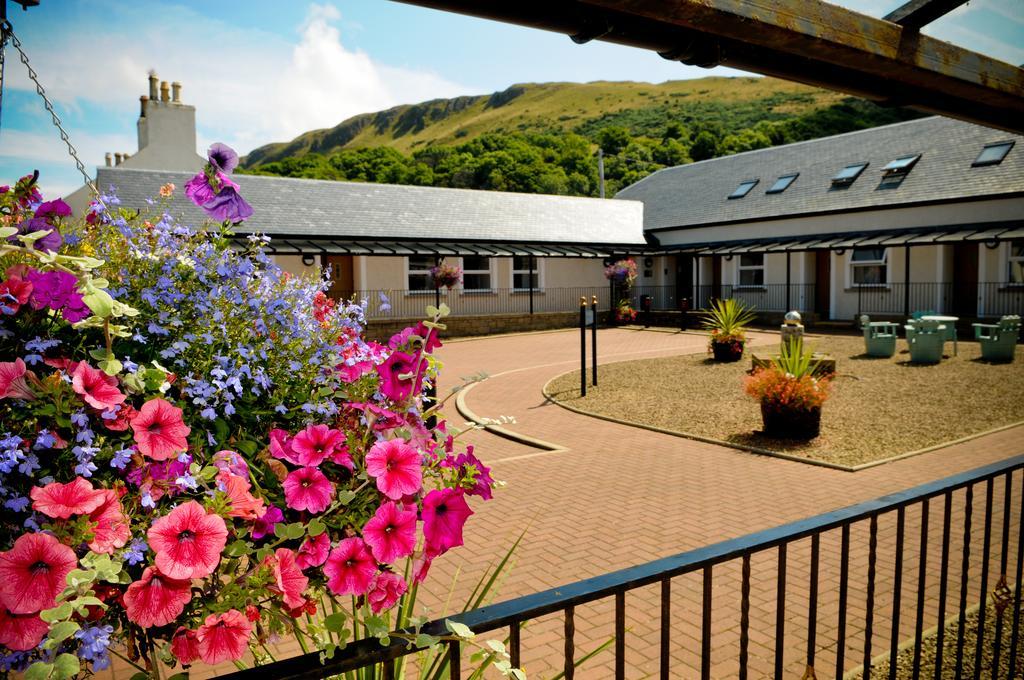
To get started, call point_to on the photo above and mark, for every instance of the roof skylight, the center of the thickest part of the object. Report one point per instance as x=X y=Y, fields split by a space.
x=901 y=165
x=848 y=175
x=744 y=188
x=782 y=183
x=993 y=154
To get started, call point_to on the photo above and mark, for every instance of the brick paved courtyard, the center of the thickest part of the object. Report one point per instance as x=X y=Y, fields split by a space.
x=614 y=496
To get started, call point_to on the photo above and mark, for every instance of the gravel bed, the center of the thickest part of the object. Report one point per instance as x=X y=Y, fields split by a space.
x=879 y=408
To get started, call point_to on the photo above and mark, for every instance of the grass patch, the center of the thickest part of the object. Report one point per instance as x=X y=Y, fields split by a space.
x=879 y=407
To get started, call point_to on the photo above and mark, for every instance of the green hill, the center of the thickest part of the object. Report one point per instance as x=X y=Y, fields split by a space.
x=543 y=137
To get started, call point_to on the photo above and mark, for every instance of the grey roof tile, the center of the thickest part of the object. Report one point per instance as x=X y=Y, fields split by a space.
x=354 y=210
x=696 y=194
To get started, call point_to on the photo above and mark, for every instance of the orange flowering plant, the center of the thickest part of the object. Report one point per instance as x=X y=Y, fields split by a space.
x=789 y=383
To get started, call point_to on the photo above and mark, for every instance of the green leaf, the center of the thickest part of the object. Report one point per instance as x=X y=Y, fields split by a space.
x=444 y=310
x=424 y=640
x=100 y=302
x=88 y=601
x=62 y=631
x=7 y=231
x=345 y=497
x=39 y=671
x=432 y=311
x=98 y=353
x=335 y=622
x=221 y=430
x=248 y=447
x=140 y=676
x=179 y=676
x=66 y=666
x=496 y=645
x=315 y=527
x=264 y=553
x=459 y=629
x=295 y=530
x=58 y=613
x=111 y=366
x=281 y=530
x=237 y=549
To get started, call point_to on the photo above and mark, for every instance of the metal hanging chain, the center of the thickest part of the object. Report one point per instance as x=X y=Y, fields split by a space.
x=3 y=53
x=8 y=31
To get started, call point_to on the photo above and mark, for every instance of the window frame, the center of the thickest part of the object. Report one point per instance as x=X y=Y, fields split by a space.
x=891 y=171
x=409 y=271
x=736 y=192
x=791 y=176
x=538 y=264
x=978 y=163
x=838 y=181
x=1010 y=259
x=852 y=265
x=740 y=268
x=489 y=271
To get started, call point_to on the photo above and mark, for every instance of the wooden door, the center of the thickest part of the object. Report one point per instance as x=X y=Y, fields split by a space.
x=684 y=279
x=339 y=268
x=965 y=280
x=822 y=283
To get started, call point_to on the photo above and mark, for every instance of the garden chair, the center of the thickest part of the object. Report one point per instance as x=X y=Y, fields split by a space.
x=879 y=337
x=922 y=313
x=998 y=341
x=926 y=340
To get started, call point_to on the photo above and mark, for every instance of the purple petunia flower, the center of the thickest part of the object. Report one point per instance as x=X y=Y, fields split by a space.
x=222 y=157
x=228 y=206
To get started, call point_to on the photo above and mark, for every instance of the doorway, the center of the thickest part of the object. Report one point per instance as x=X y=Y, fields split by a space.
x=684 y=279
x=965 y=280
x=822 y=283
x=340 y=270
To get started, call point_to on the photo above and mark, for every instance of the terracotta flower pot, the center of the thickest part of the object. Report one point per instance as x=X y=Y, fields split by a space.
x=791 y=423
x=727 y=351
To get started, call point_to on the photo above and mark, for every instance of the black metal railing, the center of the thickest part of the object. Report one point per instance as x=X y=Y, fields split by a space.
x=773 y=297
x=406 y=304
x=907 y=600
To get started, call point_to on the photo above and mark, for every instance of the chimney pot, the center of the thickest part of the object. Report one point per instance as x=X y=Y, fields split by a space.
x=165 y=91
x=142 y=106
x=109 y=159
x=118 y=158
x=176 y=92
x=152 y=86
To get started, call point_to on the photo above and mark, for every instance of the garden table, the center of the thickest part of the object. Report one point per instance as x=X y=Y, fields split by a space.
x=950 y=323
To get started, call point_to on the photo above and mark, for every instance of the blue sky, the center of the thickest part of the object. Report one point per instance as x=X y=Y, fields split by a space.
x=265 y=70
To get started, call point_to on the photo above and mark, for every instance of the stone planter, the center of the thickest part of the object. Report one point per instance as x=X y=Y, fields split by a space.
x=791 y=423
x=727 y=351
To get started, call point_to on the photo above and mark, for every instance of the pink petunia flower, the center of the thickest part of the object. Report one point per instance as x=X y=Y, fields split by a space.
x=21 y=632
x=308 y=489
x=391 y=533
x=223 y=637
x=315 y=443
x=289 y=581
x=185 y=645
x=421 y=563
x=445 y=512
x=98 y=389
x=350 y=568
x=13 y=384
x=112 y=530
x=33 y=573
x=281 y=446
x=396 y=465
x=156 y=599
x=14 y=292
x=243 y=503
x=231 y=461
x=60 y=501
x=188 y=541
x=482 y=477
x=385 y=591
x=313 y=551
x=396 y=381
x=122 y=420
x=159 y=430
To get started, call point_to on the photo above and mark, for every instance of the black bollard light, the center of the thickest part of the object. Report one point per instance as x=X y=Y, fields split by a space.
x=583 y=346
x=593 y=336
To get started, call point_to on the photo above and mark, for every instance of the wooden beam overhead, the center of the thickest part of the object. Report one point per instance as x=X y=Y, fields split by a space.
x=916 y=14
x=808 y=41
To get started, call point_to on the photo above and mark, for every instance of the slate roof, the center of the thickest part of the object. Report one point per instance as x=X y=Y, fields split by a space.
x=696 y=194
x=316 y=209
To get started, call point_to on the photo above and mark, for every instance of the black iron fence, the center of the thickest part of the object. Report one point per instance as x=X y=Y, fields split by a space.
x=407 y=304
x=870 y=578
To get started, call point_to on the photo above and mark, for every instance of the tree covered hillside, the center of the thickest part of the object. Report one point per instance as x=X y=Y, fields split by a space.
x=555 y=153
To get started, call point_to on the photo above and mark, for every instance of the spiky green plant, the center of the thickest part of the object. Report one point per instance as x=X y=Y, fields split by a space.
x=794 y=360
x=727 y=319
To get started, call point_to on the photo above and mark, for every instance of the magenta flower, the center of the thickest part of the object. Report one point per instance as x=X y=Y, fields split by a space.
x=51 y=209
x=198 y=190
x=483 y=480
x=445 y=512
x=313 y=551
x=308 y=489
x=58 y=291
x=281 y=447
x=188 y=541
x=159 y=430
x=391 y=533
x=264 y=526
x=396 y=466
x=315 y=443
x=350 y=568
x=98 y=389
x=396 y=381
x=385 y=591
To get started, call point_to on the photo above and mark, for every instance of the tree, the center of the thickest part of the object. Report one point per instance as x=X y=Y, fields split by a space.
x=613 y=139
x=704 y=146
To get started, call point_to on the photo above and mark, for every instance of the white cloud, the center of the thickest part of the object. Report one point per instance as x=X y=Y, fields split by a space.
x=249 y=87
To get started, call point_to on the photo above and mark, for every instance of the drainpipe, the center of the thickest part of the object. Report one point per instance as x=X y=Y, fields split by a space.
x=906 y=281
x=529 y=276
x=789 y=298
x=600 y=168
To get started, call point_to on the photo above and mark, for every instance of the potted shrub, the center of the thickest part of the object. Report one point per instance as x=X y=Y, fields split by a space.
x=790 y=395
x=727 y=320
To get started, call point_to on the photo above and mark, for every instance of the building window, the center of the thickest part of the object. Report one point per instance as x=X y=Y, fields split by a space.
x=869 y=266
x=476 y=274
x=744 y=188
x=782 y=183
x=751 y=270
x=1015 y=268
x=418 y=277
x=992 y=154
x=523 y=276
